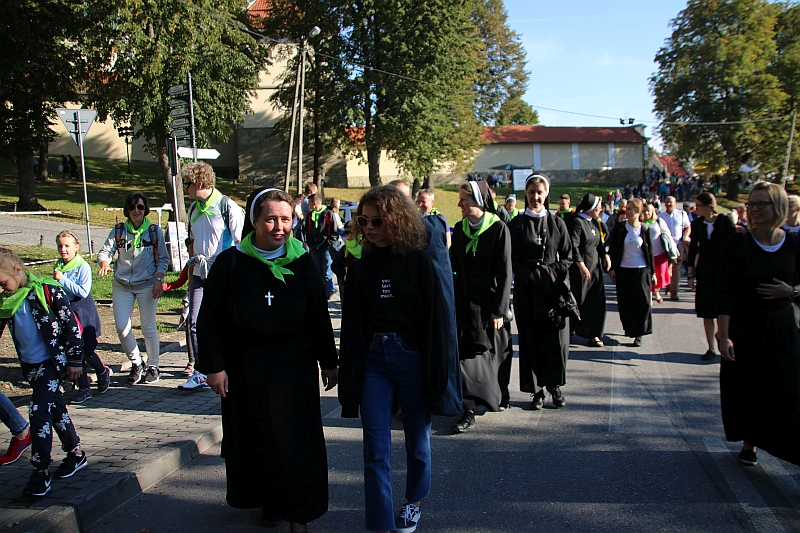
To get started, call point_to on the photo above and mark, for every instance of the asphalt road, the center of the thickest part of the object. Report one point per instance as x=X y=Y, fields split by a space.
x=639 y=447
x=30 y=231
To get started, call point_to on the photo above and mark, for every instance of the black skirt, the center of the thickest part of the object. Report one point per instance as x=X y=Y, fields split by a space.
x=634 y=301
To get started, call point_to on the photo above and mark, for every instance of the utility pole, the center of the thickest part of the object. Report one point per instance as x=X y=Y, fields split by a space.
x=789 y=151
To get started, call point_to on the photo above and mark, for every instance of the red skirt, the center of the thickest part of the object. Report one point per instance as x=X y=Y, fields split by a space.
x=662 y=272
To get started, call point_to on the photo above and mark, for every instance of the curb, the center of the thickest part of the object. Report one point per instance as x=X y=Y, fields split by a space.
x=74 y=515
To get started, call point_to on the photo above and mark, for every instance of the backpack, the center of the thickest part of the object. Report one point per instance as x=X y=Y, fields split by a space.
x=224 y=211
x=120 y=226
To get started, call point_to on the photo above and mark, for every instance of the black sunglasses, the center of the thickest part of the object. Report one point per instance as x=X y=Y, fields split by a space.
x=377 y=222
x=138 y=207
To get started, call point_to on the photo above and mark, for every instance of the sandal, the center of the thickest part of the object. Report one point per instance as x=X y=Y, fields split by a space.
x=189 y=370
x=659 y=299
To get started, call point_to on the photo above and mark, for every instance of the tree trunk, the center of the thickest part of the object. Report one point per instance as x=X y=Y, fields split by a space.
x=733 y=187
x=416 y=186
x=373 y=147
x=44 y=152
x=175 y=195
x=27 y=183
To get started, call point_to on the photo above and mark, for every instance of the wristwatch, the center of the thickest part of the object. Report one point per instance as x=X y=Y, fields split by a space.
x=794 y=293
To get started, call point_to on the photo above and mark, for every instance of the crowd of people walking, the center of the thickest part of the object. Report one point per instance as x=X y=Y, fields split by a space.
x=426 y=321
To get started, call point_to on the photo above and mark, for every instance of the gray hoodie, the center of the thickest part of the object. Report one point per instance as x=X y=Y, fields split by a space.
x=135 y=267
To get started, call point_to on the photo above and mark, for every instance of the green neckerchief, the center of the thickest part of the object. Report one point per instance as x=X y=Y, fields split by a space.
x=486 y=223
x=514 y=212
x=316 y=213
x=648 y=222
x=294 y=249
x=10 y=304
x=74 y=263
x=352 y=247
x=137 y=233
x=564 y=212
x=207 y=207
x=434 y=211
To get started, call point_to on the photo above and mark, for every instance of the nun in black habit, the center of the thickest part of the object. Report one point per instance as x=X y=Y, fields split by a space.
x=590 y=259
x=481 y=258
x=541 y=254
x=264 y=332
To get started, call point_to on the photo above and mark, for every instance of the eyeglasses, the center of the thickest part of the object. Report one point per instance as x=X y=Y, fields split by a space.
x=138 y=207
x=377 y=222
x=757 y=206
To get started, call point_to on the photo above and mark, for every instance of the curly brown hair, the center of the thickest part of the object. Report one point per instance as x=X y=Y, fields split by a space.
x=405 y=228
x=200 y=173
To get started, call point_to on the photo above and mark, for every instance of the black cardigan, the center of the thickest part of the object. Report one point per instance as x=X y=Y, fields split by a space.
x=617 y=246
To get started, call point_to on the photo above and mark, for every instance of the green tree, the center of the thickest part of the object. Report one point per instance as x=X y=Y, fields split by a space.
x=716 y=68
x=501 y=78
x=787 y=68
x=41 y=71
x=140 y=48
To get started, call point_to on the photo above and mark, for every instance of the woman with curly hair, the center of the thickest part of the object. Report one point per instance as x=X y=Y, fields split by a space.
x=393 y=344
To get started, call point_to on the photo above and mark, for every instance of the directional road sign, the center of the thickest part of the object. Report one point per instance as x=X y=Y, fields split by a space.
x=179 y=101
x=179 y=122
x=179 y=112
x=184 y=144
x=70 y=119
x=178 y=89
x=202 y=153
x=179 y=133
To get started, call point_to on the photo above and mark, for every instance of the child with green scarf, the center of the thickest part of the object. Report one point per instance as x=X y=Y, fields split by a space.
x=50 y=349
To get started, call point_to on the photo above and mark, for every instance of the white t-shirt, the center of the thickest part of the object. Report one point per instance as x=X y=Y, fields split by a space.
x=709 y=227
x=791 y=229
x=632 y=256
x=676 y=221
x=208 y=232
x=655 y=237
x=774 y=247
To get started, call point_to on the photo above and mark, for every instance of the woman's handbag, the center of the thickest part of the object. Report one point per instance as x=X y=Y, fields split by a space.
x=667 y=242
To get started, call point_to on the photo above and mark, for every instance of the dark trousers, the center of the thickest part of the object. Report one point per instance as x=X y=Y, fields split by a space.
x=48 y=413
x=196 y=285
x=90 y=358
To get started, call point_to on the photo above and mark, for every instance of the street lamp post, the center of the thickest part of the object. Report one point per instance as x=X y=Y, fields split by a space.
x=127 y=132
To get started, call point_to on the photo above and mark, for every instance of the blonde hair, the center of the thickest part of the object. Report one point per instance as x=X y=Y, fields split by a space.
x=9 y=260
x=637 y=204
x=780 y=202
x=793 y=217
x=69 y=233
x=646 y=210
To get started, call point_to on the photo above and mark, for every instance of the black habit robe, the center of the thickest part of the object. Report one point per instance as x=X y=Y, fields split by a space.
x=483 y=292
x=588 y=247
x=270 y=338
x=543 y=350
x=634 y=299
x=766 y=344
x=705 y=257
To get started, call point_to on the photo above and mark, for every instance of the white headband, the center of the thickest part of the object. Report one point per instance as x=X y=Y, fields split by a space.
x=253 y=204
x=476 y=192
x=594 y=204
x=544 y=178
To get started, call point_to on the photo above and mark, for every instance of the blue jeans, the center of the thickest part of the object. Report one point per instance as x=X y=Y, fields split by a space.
x=10 y=416
x=322 y=258
x=393 y=367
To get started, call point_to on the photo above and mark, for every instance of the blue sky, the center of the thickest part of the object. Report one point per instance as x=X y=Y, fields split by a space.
x=592 y=57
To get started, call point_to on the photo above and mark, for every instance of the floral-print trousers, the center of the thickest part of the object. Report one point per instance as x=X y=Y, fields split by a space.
x=48 y=412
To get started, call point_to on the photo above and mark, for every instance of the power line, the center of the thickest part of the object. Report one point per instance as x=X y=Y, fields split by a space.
x=284 y=42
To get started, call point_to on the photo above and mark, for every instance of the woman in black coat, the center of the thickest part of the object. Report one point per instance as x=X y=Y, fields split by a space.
x=710 y=230
x=632 y=270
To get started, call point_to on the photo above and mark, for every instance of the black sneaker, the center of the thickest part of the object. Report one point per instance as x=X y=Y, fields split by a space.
x=39 y=485
x=152 y=375
x=748 y=457
x=103 y=380
x=135 y=375
x=82 y=396
x=637 y=342
x=537 y=401
x=558 y=397
x=71 y=464
x=467 y=422
x=709 y=356
x=407 y=521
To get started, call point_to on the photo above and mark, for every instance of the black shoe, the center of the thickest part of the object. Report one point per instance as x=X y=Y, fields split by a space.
x=152 y=375
x=637 y=342
x=748 y=457
x=71 y=464
x=537 y=401
x=270 y=521
x=82 y=396
x=503 y=406
x=135 y=375
x=467 y=422
x=709 y=356
x=103 y=380
x=558 y=397
x=39 y=485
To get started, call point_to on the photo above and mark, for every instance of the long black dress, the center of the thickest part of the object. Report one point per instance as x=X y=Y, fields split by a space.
x=483 y=291
x=543 y=350
x=633 y=284
x=766 y=344
x=269 y=337
x=588 y=247
x=707 y=253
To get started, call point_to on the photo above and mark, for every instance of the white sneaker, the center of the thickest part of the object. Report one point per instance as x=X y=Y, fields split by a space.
x=195 y=381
